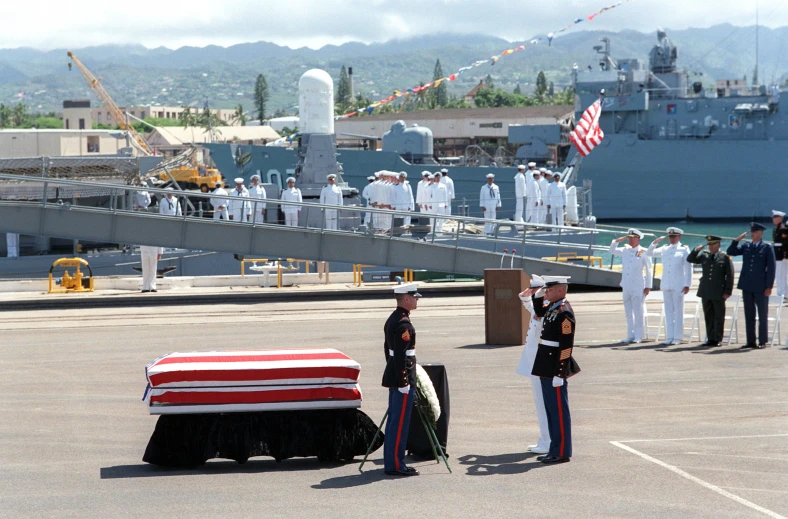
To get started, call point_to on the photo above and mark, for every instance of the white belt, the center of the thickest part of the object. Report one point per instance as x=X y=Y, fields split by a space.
x=412 y=353
x=549 y=343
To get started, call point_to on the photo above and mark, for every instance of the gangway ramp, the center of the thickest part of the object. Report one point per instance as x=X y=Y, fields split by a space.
x=112 y=225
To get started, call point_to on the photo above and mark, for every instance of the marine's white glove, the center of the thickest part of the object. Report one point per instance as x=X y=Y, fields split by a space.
x=404 y=390
x=540 y=292
x=558 y=382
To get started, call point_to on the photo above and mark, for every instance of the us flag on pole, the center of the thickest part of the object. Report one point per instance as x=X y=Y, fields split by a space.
x=587 y=134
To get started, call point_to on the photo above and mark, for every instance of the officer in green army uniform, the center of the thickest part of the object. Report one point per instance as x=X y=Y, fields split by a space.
x=716 y=286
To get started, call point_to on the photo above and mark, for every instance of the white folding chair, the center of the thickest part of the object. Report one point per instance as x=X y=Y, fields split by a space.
x=694 y=317
x=733 y=318
x=654 y=296
x=778 y=302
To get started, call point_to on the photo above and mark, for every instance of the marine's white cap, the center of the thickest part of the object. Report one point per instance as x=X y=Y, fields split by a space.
x=634 y=232
x=403 y=174
x=444 y=170
x=371 y=177
x=332 y=176
x=408 y=288
x=490 y=175
x=239 y=180
x=674 y=231
x=254 y=177
x=556 y=280
x=532 y=164
x=777 y=213
x=536 y=281
x=521 y=167
x=290 y=179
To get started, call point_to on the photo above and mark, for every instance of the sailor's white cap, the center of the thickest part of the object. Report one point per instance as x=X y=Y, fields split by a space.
x=777 y=213
x=521 y=166
x=535 y=172
x=219 y=182
x=674 y=231
x=290 y=179
x=555 y=173
x=377 y=174
x=556 y=280
x=239 y=180
x=429 y=175
x=490 y=175
x=169 y=189
x=254 y=177
x=532 y=164
x=543 y=170
x=444 y=170
x=537 y=281
x=408 y=288
x=403 y=174
x=331 y=176
x=634 y=232
x=437 y=174
x=425 y=173
x=371 y=177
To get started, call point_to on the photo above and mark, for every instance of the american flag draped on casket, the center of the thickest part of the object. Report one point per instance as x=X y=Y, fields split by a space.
x=263 y=380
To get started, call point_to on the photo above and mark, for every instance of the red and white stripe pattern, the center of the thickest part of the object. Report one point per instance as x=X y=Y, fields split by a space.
x=587 y=134
x=264 y=380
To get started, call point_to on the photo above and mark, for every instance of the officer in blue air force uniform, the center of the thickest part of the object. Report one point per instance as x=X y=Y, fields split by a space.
x=755 y=281
x=554 y=364
x=400 y=378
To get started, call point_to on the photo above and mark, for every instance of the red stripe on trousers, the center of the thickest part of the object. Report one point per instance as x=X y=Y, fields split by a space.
x=399 y=431
x=560 y=420
x=252 y=375
x=254 y=397
x=253 y=358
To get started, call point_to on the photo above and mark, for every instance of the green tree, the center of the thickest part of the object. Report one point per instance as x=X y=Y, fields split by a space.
x=342 y=94
x=517 y=89
x=187 y=117
x=551 y=89
x=541 y=86
x=489 y=81
x=439 y=94
x=240 y=116
x=208 y=119
x=261 y=96
x=5 y=116
x=19 y=115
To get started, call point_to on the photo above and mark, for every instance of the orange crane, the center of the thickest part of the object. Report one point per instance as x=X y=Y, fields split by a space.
x=95 y=84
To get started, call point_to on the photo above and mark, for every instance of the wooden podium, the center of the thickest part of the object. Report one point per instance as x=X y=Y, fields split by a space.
x=505 y=318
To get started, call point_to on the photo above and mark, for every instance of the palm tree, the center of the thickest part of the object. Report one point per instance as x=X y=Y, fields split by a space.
x=240 y=116
x=19 y=114
x=187 y=117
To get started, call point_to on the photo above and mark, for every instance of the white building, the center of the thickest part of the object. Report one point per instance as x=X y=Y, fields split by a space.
x=18 y=143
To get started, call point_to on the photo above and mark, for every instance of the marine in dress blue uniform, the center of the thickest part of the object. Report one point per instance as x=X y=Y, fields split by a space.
x=755 y=281
x=554 y=365
x=400 y=378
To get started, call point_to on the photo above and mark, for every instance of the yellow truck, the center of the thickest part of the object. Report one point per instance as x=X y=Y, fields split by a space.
x=189 y=177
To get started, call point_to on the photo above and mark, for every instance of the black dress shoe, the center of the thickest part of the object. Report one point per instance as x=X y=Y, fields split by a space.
x=540 y=458
x=708 y=343
x=407 y=472
x=749 y=345
x=555 y=460
x=154 y=290
x=761 y=345
x=145 y=291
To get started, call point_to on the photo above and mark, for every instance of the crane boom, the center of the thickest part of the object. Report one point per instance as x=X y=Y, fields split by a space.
x=95 y=84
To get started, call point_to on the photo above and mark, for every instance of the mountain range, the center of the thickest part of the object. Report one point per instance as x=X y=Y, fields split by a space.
x=224 y=76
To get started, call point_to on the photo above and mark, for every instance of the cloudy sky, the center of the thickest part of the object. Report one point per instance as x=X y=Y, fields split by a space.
x=57 y=24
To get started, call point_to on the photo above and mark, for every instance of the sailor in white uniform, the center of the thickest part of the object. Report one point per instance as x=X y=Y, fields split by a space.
x=402 y=198
x=489 y=201
x=149 y=258
x=440 y=200
x=636 y=279
x=526 y=365
x=219 y=202
x=141 y=200
x=169 y=205
x=257 y=192
x=519 y=193
x=331 y=195
x=449 y=183
x=556 y=199
x=367 y=195
x=421 y=190
x=291 y=211
x=239 y=206
x=533 y=197
x=676 y=282
x=543 y=185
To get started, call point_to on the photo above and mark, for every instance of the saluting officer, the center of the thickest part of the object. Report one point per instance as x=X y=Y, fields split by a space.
x=636 y=280
x=554 y=364
x=755 y=281
x=716 y=286
x=780 y=239
x=400 y=378
x=676 y=282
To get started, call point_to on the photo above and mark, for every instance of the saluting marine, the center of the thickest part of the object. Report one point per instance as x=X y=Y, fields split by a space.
x=554 y=364
x=400 y=377
x=716 y=286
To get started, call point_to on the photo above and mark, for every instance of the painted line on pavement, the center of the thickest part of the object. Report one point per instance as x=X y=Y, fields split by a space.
x=781 y=435
x=705 y=484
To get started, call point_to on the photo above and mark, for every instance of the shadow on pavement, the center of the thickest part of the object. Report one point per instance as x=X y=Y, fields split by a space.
x=488 y=346
x=501 y=464
x=356 y=480
x=145 y=470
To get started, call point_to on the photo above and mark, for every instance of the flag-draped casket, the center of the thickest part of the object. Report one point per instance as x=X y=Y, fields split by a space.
x=263 y=380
